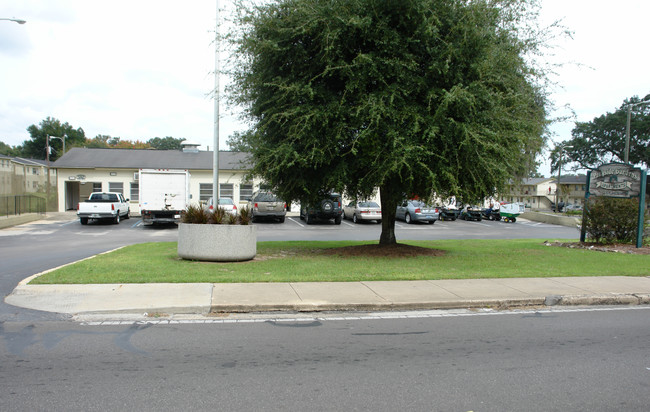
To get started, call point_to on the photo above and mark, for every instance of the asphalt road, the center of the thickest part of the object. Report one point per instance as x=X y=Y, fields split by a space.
x=578 y=360
x=33 y=248
x=527 y=361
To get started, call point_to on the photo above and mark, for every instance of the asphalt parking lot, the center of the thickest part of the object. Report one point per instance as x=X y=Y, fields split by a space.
x=133 y=230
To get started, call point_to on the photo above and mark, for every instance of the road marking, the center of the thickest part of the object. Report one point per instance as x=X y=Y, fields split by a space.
x=69 y=223
x=92 y=233
x=349 y=224
x=115 y=320
x=138 y=223
x=296 y=222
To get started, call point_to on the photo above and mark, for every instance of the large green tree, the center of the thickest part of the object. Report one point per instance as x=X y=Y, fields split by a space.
x=36 y=147
x=602 y=140
x=413 y=97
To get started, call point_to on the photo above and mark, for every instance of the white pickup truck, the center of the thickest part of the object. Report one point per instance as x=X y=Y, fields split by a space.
x=105 y=205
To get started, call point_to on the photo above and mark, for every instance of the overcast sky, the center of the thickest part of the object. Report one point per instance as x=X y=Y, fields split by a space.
x=143 y=69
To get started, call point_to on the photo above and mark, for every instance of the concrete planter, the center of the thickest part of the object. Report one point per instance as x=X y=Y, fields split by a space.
x=217 y=243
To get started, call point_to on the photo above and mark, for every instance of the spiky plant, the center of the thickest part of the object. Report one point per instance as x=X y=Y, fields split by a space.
x=217 y=216
x=195 y=214
x=244 y=216
x=232 y=219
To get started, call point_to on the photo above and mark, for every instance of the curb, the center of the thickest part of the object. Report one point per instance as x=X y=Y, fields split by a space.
x=605 y=299
x=500 y=304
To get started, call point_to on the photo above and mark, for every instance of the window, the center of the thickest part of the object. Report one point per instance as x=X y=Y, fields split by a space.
x=226 y=190
x=205 y=191
x=117 y=187
x=34 y=171
x=245 y=192
x=135 y=188
x=97 y=187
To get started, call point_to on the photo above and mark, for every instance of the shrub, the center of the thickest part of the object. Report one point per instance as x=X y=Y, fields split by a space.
x=245 y=216
x=195 y=214
x=611 y=220
x=217 y=216
x=232 y=219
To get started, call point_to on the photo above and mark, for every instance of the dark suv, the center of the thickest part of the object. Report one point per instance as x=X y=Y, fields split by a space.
x=327 y=208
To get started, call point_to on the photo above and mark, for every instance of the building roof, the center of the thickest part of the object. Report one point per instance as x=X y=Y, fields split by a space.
x=91 y=158
x=24 y=161
x=572 y=180
x=531 y=181
x=534 y=181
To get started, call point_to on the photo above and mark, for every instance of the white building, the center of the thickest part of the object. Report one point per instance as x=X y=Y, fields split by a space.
x=82 y=171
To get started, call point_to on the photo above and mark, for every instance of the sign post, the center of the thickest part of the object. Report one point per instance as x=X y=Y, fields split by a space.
x=617 y=180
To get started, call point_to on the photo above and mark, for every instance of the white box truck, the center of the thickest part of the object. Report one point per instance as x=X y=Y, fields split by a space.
x=164 y=195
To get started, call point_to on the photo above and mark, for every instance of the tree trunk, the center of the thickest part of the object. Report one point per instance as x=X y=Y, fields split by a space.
x=389 y=200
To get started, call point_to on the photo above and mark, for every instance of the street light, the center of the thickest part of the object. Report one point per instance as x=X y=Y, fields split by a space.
x=627 y=129
x=61 y=139
x=559 y=172
x=19 y=21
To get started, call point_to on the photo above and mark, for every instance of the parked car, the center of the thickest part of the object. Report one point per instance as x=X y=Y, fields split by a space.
x=266 y=205
x=225 y=203
x=561 y=208
x=104 y=206
x=573 y=208
x=362 y=211
x=328 y=208
x=412 y=211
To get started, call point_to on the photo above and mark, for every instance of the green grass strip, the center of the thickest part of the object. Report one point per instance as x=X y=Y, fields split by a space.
x=301 y=261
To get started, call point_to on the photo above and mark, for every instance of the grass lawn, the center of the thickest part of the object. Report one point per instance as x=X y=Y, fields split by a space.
x=302 y=261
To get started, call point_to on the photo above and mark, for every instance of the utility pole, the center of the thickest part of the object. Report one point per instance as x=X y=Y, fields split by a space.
x=215 y=162
x=47 y=156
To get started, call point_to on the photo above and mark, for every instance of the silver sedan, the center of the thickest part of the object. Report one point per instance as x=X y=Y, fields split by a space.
x=358 y=211
x=415 y=211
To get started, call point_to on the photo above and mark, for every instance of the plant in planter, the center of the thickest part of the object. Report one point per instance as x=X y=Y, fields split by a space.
x=245 y=216
x=210 y=235
x=217 y=217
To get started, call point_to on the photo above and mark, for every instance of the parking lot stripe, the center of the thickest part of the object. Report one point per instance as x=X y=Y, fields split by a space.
x=296 y=222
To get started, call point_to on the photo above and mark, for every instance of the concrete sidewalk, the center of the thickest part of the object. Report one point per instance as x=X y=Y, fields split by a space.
x=205 y=298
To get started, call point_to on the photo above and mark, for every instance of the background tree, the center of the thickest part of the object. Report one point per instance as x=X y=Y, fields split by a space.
x=99 y=141
x=166 y=143
x=602 y=140
x=108 y=142
x=36 y=147
x=413 y=97
x=13 y=151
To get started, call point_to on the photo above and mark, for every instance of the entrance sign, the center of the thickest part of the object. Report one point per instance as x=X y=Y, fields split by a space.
x=618 y=180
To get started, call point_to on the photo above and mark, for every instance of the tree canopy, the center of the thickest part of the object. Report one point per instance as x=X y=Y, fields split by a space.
x=7 y=150
x=414 y=97
x=36 y=148
x=602 y=140
x=166 y=143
